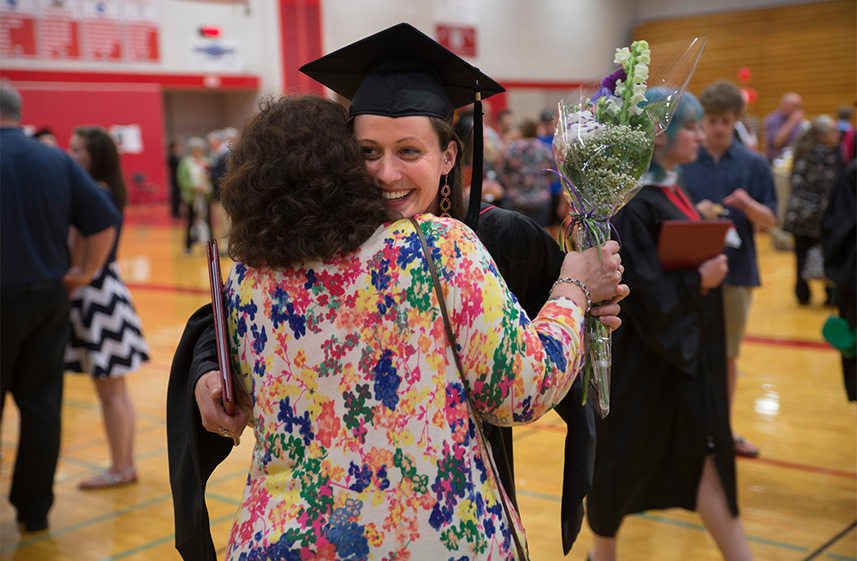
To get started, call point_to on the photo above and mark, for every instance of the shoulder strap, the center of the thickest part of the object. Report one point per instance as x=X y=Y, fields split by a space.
x=522 y=555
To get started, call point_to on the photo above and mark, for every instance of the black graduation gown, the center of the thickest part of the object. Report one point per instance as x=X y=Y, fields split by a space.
x=838 y=234
x=527 y=258
x=669 y=403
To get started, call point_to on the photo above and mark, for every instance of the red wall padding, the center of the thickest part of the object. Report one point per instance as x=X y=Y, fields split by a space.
x=62 y=107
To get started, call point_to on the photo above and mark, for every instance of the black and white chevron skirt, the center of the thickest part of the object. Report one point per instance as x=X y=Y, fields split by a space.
x=105 y=338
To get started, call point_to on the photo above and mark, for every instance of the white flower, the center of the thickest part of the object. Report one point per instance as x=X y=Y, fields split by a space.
x=622 y=56
x=641 y=73
x=581 y=125
x=612 y=106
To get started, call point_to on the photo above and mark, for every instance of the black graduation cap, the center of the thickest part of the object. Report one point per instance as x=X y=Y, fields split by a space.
x=401 y=72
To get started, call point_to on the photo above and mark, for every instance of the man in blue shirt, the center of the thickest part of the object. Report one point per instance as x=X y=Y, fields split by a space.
x=729 y=181
x=44 y=192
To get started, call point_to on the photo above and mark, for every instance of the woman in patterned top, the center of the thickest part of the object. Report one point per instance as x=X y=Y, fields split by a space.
x=366 y=440
x=402 y=116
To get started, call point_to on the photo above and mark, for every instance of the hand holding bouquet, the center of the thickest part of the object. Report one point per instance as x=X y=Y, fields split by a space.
x=602 y=145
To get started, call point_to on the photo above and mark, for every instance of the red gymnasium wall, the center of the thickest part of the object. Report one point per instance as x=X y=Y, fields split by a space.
x=64 y=106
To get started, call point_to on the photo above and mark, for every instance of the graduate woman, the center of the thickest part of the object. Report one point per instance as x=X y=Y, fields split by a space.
x=667 y=441
x=404 y=88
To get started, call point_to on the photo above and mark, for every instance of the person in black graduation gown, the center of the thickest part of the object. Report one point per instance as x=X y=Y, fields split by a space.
x=838 y=231
x=667 y=441
x=424 y=81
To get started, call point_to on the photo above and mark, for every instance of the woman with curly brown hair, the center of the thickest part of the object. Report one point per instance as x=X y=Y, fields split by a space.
x=364 y=420
x=403 y=88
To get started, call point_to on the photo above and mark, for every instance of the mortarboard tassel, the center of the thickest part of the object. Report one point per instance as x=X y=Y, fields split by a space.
x=472 y=216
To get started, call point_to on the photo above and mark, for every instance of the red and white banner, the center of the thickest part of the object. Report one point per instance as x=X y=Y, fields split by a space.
x=18 y=28
x=59 y=29
x=102 y=33
x=142 y=23
x=455 y=25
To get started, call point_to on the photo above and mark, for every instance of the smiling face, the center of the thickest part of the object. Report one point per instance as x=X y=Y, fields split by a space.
x=404 y=157
x=78 y=152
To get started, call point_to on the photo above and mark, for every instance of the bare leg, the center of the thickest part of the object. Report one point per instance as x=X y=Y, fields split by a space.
x=711 y=503
x=603 y=549
x=119 y=421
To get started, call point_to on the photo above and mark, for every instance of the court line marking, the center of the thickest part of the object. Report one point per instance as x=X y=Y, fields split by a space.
x=121 y=512
x=832 y=541
x=533 y=429
x=678 y=523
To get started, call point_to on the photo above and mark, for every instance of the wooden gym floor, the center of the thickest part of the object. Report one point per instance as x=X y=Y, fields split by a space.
x=798 y=497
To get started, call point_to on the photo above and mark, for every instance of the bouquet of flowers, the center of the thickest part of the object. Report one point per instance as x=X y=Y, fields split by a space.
x=603 y=145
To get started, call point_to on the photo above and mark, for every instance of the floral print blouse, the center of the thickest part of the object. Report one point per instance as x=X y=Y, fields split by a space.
x=366 y=440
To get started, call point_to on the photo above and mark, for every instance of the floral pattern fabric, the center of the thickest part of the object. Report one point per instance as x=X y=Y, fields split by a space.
x=366 y=444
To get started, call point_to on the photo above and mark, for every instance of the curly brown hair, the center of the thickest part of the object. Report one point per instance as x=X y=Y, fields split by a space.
x=296 y=187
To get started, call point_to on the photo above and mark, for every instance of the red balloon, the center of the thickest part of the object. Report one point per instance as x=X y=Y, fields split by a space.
x=744 y=74
x=751 y=95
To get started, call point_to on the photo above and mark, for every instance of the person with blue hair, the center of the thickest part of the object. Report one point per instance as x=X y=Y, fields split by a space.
x=667 y=441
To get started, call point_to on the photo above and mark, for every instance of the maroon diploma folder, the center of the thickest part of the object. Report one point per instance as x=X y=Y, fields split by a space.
x=686 y=244
x=215 y=280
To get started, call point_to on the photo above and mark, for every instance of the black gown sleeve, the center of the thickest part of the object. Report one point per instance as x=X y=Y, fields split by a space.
x=664 y=307
x=193 y=452
x=839 y=229
x=529 y=260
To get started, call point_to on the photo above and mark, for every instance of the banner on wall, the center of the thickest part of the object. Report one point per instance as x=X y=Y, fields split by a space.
x=455 y=26
x=103 y=30
x=141 y=19
x=58 y=29
x=102 y=33
x=18 y=28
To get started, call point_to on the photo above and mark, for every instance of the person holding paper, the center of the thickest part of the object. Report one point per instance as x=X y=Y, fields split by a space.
x=366 y=427
x=667 y=441
x=403 y=118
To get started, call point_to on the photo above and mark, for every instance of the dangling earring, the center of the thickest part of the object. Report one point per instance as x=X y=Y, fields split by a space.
x=445 y=202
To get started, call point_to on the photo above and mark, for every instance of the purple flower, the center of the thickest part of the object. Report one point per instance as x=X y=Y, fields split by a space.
x=608 y=85
x=610 y=81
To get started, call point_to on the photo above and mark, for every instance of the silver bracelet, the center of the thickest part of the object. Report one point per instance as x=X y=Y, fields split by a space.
x=580 y=285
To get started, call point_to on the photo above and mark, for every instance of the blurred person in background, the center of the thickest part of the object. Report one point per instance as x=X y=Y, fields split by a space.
x=727 y=180
x=174 y=156
x=667 y=441
x=528 y=189
x=106 y=338
x=219 y=162
x=844 y=114
x=783 y=125
x=46 y=136
x=44 y=193
x=506 y=125
x=196 y=189
x=558 y=211
x=838 y=232
x=816 y=168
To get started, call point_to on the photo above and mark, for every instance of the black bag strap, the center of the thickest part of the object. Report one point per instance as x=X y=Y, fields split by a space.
x=522 y=554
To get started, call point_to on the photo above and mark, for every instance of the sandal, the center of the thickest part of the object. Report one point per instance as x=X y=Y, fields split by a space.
x=108 y=479
x=745 y=448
